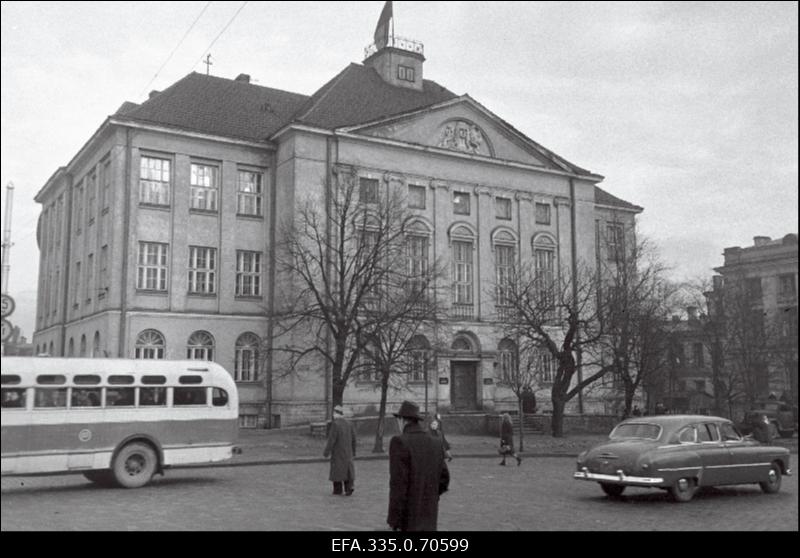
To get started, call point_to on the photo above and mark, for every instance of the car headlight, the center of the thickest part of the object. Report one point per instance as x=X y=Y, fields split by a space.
x=582 y=456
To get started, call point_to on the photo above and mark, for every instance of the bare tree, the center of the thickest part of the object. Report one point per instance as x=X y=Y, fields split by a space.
x=557 y=313
x=333 y=256
x=635 y=299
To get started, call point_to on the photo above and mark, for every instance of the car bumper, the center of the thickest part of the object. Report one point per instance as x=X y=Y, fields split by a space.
x=618 y=478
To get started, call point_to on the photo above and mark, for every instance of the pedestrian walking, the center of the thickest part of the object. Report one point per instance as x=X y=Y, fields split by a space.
x=418 y=474
x=436 y=429
x=507 y=439
x=341 y=448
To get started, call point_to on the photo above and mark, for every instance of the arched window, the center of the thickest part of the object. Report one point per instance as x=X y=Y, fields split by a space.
x=419 y=352
x=462 y=242
x=150 y=345
x=201 y=346
x=246 y=366
x=507 y=361
x=51 y=349
x=83 y=346
x=504 y=260
x=544 y=265
x=71 y=347
x=96 y=352
x=462 y=343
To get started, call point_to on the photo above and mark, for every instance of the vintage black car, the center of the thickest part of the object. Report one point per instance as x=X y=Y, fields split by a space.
x=681 y=453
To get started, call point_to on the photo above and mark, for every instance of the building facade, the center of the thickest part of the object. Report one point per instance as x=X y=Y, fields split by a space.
x=753 y=303
x=158 y=239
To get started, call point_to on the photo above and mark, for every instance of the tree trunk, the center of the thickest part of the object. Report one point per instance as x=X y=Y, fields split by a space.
x=337 y=389
x=557 y=425
x=630 y=391
x=378 y=446
x=521 y=424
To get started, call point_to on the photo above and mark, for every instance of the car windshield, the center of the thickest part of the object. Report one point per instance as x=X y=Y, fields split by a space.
x=637 y=430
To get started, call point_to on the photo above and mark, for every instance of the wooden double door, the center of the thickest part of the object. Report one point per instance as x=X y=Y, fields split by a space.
x=464 y=386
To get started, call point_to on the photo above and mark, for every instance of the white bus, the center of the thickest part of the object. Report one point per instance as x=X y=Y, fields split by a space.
x=117 y=421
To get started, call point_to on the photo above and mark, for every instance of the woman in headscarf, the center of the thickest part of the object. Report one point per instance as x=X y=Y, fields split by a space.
x=507 y=439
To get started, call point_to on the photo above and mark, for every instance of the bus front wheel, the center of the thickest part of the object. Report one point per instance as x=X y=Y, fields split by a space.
x=134 y=465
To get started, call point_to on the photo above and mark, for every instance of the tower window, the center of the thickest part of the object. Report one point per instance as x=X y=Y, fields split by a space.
x=405 y=73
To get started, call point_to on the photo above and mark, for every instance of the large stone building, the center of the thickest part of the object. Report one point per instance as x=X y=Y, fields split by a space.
x=158 y=238
x=754 y=303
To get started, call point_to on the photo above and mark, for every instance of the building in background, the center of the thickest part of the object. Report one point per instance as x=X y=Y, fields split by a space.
x=158 y=238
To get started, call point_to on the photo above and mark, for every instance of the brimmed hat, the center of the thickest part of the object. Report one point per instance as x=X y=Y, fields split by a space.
x=338 y=410
x=408 y=410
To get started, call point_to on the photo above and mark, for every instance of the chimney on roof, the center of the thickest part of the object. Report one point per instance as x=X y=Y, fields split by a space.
x=718 y=283
x=153 y=93
x=244 y=78
x=761 y=240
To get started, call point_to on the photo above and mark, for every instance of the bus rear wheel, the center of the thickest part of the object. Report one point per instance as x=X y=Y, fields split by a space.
x=134 y=465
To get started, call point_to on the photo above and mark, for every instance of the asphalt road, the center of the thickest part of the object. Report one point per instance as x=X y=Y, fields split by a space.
x=541 y=495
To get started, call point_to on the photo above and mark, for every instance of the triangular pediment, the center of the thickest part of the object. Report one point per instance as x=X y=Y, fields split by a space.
x=462 y=125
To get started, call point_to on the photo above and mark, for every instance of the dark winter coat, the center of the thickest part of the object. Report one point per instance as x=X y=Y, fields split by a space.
x=418 y=475
x=341 y=448
x=507 y=434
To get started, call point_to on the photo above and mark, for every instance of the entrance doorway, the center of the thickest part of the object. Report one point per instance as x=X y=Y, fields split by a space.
x=464 y=386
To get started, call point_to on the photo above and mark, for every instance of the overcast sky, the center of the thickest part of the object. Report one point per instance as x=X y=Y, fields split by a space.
x=688 y=109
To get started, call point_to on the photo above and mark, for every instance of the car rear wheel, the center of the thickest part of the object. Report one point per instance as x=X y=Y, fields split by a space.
x=773 y=482
x=612 y=490
x=683 y=490
x=134 y=465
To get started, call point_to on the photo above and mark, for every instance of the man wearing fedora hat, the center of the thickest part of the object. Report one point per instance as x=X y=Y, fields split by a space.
x=418 y=474
x=341 y=448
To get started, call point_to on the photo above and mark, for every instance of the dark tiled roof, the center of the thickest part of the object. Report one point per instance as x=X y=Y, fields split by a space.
x=359 y=95
x=219 y=106
x=126 y=107
x=601 y=197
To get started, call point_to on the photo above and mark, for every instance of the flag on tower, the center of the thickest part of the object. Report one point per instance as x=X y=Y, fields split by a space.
x=382 y=29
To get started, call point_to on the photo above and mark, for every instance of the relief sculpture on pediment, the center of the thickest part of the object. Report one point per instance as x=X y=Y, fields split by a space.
x=462 y=135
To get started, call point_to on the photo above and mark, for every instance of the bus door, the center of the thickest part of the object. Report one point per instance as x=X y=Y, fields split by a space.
x=15 y=424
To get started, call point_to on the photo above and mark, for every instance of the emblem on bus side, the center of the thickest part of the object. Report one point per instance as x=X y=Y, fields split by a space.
x=85 y=435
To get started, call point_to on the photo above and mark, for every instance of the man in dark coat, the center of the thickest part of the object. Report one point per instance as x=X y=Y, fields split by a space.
x=418 y=474
x=341 y=448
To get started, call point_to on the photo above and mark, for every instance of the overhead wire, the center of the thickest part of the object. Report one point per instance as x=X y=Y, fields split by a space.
x=220 y=34
x=176 y=47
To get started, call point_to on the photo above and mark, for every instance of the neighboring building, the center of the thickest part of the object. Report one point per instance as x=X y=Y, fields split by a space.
x=158 y=238
x=754 y=301
x=17 y=344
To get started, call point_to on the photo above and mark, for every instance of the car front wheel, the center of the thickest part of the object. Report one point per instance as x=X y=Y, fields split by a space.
x=683 y=490
x=773 y=482
x=612 y=490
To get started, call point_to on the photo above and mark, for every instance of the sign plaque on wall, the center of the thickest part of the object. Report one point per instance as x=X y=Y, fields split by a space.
x=444 y=381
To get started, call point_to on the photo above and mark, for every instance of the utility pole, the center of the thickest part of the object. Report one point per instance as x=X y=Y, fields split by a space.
x=7 y=236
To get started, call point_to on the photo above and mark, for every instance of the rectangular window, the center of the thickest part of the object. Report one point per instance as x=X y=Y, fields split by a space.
x=544 y=270
x=249 y=200
x=504 y=265
x=204 y=186
x=202 y=266
x=103 y=286
x=699 y=361
x=753 y=289
x=542 y=213
x=91 y=193
x=461 y=203
x=502 y=208
x=417 y=257
x=419 y=364
x=405 y=73
x=105 y=183
x=786 y=287
x=248 y=273
x=78 y=208
x=416 y=197
x=615 y=241
x=154 y=180
x=152 y=267
x=368 y=190
x=462 y=272
x=546 y=365
x=89 y=278
x=76 y=284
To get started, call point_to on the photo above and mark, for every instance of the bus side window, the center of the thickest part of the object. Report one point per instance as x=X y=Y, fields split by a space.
x=188 y=396
x=153 y=396
x=50 y=398
x=85 y=397
x=13 y=398
x=219 y=397
x=120 y=397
